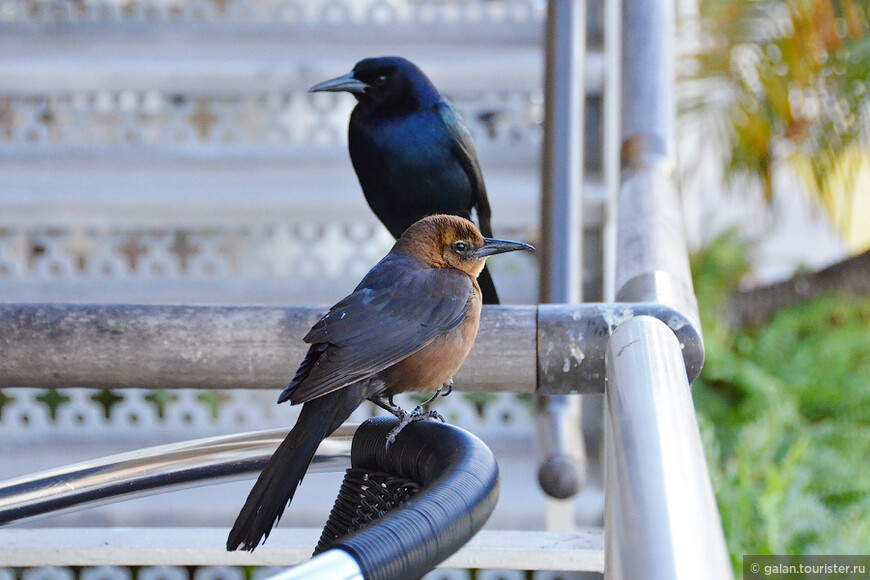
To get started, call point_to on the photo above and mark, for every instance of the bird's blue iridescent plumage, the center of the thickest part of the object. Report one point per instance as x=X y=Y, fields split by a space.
x=411 y=150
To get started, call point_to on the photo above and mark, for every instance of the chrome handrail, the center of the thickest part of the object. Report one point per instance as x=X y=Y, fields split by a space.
x=155 y=470
x=661 y=519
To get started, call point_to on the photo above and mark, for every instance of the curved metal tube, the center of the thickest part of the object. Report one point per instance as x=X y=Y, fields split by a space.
x=661 y=518
x=332 y=564
x=155 y=470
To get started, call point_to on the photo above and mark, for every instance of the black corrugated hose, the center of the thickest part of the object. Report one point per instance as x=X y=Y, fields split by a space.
x=447 y=479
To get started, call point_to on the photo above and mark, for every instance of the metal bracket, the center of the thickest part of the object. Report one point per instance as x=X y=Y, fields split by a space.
x=572 y=339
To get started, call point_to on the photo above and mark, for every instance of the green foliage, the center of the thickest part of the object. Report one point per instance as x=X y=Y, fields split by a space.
x=160 y=398
x=213 y=400
x=53 y=399
x=107 y=399
x=784 y=411
x=4 y=400
x=785 y=81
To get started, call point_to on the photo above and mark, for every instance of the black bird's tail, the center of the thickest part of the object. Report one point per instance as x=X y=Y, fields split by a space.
x=281 y=476
x=487 y=287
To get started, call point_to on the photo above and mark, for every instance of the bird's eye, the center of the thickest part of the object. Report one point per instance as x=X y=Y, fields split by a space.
x=380 y=80
x=459 y=247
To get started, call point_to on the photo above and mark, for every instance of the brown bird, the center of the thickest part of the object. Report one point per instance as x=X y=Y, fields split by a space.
x=406 y=327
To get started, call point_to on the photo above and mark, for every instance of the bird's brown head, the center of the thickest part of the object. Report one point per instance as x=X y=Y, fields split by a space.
x=449 y=241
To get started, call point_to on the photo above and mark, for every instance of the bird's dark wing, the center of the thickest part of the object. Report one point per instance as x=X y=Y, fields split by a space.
x=465 y=153
x=398 y=308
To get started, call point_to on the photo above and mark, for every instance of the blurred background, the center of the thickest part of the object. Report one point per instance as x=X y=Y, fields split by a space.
x=167 y=151
x=775 y=137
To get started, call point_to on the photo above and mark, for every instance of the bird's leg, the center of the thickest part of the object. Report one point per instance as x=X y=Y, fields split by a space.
x=405 y=420
x=386 y=403
x=430 y=399
x=442 y=391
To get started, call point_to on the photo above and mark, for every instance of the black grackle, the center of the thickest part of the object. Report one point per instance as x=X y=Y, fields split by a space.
x=412 y=152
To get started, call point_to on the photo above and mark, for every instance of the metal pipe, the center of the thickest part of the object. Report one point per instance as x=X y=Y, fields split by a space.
x=330 y=565
x=611 y=142
x=562 y=171
x=561 y=472
x=661 y=519
x=572 y=339
x=155 y=470
x=648 y=107
x=552 y=348
x=653 y=263
x=213 y=347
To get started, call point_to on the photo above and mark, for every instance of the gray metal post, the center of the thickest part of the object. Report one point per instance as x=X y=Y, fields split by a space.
x=661 y=519
x=562 y=470
x=561 y=207
x=652 y=258
x=611 y=141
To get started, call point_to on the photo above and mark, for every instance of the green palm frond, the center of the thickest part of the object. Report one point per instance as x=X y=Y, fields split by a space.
x=785 y=81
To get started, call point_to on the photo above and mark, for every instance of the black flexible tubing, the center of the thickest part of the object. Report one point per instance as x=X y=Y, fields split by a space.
x=460 y=485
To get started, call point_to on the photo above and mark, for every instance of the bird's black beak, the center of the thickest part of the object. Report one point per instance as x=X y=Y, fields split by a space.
x=345 y=83
x=492 y=247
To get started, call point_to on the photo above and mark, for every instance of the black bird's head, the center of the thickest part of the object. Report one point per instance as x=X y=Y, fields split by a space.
x=449 y=241
x=386 y=81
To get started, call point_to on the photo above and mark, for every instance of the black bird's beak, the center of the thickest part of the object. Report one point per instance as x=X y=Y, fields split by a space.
x=492 y=247
x=344 y=83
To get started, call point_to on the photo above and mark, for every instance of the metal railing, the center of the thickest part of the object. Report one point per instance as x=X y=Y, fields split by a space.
x=156 y=470
x=562 y=471
x=453 y=476
x=661 y=519
x=550 y=349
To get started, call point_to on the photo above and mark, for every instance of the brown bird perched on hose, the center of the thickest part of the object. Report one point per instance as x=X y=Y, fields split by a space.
x=406 y=327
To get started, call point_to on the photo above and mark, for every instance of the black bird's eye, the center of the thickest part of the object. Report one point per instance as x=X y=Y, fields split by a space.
x=380 y=80
x=459 y=247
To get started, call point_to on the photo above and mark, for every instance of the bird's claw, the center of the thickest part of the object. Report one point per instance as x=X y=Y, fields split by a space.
x=421 y=414
x=442 y=391
x=405 y=418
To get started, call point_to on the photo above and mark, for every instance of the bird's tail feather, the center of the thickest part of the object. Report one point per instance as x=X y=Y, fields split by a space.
x=281 y=476
x=487 y=287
